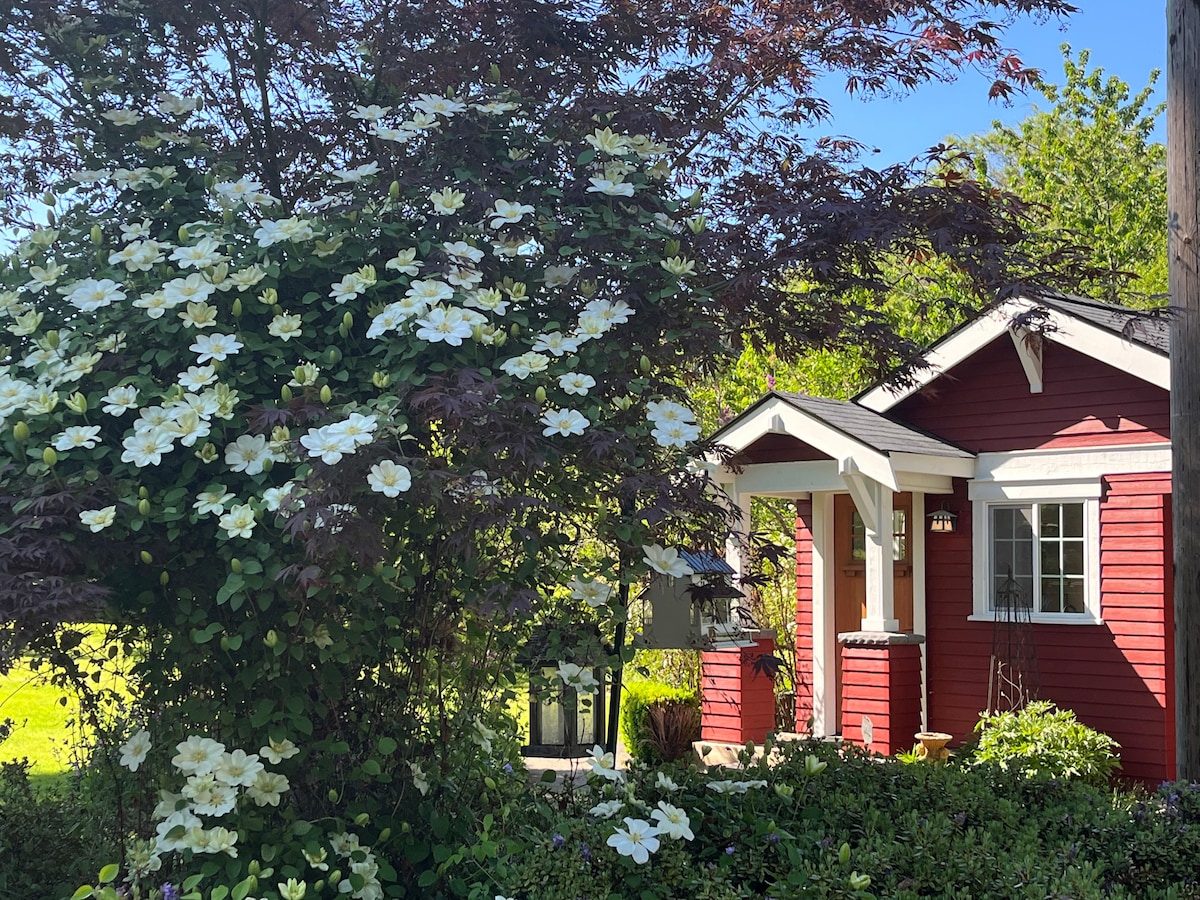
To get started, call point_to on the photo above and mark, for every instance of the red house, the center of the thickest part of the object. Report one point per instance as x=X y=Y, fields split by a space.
x=1044 y=438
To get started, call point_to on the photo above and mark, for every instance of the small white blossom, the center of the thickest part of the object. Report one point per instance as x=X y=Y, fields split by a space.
x=98 y=519
x=389 y=478
x=665 y=560
x=563 y=422
x=638 y=839
x=239 y=521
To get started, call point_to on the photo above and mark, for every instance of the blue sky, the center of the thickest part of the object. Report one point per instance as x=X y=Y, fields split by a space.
x=1127 y=38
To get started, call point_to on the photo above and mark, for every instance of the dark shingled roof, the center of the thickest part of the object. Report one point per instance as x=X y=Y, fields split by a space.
x=870 y=428
x=1150 y=330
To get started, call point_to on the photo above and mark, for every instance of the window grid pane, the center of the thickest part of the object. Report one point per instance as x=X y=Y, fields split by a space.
x=1042 y=545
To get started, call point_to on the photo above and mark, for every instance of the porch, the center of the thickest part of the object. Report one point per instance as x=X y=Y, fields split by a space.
x=862 y=486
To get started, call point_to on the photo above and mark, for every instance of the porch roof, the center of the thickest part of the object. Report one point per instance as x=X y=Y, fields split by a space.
x=848 y=438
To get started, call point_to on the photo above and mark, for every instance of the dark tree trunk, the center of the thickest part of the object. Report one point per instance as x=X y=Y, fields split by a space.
x=1183 y=200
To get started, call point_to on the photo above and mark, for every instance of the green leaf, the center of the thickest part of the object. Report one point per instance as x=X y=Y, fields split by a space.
x=387 y=745
x=84 y=890
x=109 y=872
x=372 y=767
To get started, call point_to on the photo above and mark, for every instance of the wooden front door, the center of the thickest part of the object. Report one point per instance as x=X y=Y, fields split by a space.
x=849 y=570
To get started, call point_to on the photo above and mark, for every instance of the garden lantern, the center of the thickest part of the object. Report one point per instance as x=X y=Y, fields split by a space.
x=694 y=612
x=566 y=692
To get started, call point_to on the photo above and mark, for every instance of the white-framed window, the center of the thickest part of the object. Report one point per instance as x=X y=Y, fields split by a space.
x=1037 y=551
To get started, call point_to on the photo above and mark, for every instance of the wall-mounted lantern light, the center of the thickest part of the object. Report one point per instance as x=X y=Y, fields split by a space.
x=942 y=521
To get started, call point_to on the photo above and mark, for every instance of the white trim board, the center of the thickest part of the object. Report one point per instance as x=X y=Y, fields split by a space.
x=1073 y=464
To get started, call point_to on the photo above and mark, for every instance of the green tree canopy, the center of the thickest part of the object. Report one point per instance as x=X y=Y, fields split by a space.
x=1089 y=166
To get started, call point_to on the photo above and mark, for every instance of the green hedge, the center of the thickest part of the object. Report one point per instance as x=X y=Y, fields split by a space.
x=637 y=700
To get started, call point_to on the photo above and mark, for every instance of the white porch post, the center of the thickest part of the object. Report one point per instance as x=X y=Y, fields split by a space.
x=874 y=504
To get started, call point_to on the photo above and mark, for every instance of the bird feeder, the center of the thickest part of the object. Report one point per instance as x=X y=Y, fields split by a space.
x=567 y=678
x=693 y=612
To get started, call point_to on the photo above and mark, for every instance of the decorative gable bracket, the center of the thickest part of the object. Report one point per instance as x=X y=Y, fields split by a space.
x=1029 y=351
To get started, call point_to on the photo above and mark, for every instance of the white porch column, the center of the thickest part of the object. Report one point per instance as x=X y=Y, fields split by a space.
x=874 y=504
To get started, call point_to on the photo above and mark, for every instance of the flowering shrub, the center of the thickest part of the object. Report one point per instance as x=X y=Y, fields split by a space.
x=313 y=454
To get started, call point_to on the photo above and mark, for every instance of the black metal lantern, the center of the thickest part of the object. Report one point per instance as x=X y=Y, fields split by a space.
x=566 y=695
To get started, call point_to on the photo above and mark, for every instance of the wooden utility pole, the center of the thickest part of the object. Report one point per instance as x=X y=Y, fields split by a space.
x=1183 y=203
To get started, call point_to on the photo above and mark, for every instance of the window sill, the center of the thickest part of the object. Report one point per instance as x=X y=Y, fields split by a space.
x=1045 y=618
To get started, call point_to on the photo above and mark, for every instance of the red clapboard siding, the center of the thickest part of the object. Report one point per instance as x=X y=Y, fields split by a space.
x=804 y=615
x=1115 y=676
x=984 y=403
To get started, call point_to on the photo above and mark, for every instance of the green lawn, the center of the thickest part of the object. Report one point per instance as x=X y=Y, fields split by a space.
x=40 y=731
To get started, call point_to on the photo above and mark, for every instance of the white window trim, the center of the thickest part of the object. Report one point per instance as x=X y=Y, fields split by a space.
x=985 y=495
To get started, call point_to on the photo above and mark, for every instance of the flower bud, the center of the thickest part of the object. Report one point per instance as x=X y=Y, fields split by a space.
x=207 y=453
x=48 y=199
x=286 y=393
x=514 y=329
x=143 y=507
x=326 y=394
x=269 y=297
x=859 y=882
x=384 y=835
x=332 y=795
x=21 y=432
x=333 y=356
x=540 y=395
x=77 y=403
x=49 y=457
x=587 y=289
x=237 y=307
x=143 y=493
x=348 y=320
x=253 y=868
x=268 y=464
x=51 y=338
x=183 y=234
x=362 y=819
x=844 y=854
x=280 y=434
x=97 y=235
x=146 y=557
x=381 y=379
x=164 y=577
x=394 y=190
x=271 y=640
x=644 y=364
x=697 y=224
x=236 y=565
x=672 y=248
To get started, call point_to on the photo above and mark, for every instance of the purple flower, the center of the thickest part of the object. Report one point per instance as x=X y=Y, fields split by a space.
x=770 y=382
x=558 y=841
x=772 y=838
x=585 y=851
x=508 y=768
x=170 y=892
x=729 y=850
